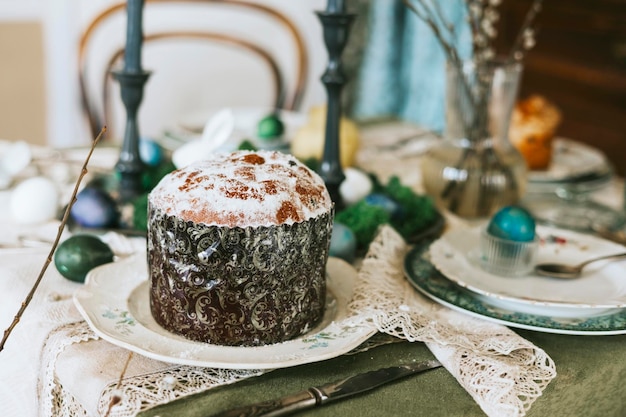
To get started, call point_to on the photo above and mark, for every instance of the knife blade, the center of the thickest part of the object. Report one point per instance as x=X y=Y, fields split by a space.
x=323 y=394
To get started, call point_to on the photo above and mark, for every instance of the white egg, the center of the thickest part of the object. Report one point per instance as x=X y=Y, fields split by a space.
x=16 y=158
x=34 y=200
x=355 y=187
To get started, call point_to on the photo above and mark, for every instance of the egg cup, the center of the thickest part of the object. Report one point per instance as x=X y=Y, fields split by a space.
x=506 y=257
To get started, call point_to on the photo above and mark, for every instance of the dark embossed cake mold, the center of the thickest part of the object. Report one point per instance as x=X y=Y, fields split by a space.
x=237 y=286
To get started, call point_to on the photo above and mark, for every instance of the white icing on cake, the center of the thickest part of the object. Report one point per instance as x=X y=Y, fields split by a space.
x=243 y=189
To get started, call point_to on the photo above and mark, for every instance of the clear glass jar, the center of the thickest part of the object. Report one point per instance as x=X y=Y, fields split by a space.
x=474 y=170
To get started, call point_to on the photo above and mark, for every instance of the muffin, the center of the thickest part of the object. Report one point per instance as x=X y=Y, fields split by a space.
x=237 y=249
x=532 y=130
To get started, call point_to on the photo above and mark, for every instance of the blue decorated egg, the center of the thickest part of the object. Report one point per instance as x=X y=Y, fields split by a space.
x=512 y=223
x=342 y=242
x=386 y=203
x=95 y=208
x=150 y=152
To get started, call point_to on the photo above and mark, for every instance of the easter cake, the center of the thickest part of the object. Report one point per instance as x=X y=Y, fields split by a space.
x=533 y=127
x=237 y=249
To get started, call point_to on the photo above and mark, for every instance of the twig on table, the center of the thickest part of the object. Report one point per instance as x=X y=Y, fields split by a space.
x=66 y=216
x=117 y=398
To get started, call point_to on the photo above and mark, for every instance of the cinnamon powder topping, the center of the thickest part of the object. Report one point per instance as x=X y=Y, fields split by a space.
x=243 y=189
x=254 y=159
x=287 y=211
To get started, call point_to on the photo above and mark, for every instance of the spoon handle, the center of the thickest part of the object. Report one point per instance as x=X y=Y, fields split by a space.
x=601 y=258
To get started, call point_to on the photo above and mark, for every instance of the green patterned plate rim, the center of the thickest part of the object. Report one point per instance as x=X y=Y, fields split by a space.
x=429 y=281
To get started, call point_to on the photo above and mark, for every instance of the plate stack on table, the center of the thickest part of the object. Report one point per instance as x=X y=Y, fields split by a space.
x=447 y=270
x=560 y=195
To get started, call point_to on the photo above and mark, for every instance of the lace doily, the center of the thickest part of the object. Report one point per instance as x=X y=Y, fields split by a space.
x=55 y=401
x=503 y=372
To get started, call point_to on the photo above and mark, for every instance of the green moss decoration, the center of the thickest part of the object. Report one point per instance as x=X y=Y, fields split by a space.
x=140 y=212
x=246 y=145
x=312 y=163
x=363 y=219
x=420 y=211
x=152 y=175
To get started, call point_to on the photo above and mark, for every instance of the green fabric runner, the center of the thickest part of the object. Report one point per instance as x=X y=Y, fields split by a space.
x=591 y=382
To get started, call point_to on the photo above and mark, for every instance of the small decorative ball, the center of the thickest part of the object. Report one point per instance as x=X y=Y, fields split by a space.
x=512 y=223
x=79 y=254
x=387 y=203
x=355 y=187
x=150 y=152
x=270 y=127
x=342 y=242
x=34 y=200
x=95 y=208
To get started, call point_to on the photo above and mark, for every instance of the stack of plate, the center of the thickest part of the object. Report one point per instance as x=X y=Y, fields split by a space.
x=449 y=272
x=572 y=162
x=559 y=195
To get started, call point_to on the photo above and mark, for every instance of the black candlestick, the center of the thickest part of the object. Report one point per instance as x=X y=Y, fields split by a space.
x=132 y=80
x=336 y=26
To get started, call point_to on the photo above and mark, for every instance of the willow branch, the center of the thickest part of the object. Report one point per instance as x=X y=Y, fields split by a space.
x=48 y=261
x=518 y=45
x=116 y=399
x=429 y=19
x=448 y=48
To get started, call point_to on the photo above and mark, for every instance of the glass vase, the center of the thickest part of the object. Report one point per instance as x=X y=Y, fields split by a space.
x=474 y=170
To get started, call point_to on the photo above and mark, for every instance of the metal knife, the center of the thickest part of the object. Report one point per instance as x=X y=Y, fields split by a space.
x=326 y=393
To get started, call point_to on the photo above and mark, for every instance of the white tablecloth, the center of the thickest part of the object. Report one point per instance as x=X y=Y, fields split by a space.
x=23 y=375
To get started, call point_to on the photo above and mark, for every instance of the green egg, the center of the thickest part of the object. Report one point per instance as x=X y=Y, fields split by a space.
x=270 y=127
x=79 y=254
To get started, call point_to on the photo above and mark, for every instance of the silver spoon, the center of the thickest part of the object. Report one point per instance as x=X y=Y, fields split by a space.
x=570 y=271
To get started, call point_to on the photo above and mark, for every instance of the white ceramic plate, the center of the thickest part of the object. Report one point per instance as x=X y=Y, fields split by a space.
x=600 y=290
x=426 y=279
x=570 y=159
x=115 y=303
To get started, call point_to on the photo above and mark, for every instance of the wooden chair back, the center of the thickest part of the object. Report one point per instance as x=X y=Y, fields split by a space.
x=288 y=89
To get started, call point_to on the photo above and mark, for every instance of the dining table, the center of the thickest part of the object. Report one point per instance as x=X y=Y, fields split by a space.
x=58 y=361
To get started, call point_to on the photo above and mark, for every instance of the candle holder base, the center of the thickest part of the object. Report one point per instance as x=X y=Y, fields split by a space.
x=336 y=26
x=130 y=166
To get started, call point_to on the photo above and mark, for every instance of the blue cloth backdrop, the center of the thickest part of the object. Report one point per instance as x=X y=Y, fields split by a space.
x=403 y=67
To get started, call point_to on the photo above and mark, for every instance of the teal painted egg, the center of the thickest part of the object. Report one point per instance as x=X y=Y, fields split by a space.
x=79 y=254
x=150 y=152
x=512 y=223
x=270 y=127
x=342 y=242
